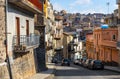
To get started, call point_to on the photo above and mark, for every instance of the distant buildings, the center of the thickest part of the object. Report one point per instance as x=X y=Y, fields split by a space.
x=58 y=35
x=84 y=21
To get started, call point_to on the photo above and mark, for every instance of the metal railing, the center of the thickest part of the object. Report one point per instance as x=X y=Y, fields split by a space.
x=27 y=41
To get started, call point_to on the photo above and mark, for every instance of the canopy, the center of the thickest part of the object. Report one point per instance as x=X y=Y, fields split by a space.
x=104 y=26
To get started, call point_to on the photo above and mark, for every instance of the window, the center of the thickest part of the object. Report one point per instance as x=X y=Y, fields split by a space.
x=113 y=37
x=107 y=33
x=95 y=36
x=99 y=36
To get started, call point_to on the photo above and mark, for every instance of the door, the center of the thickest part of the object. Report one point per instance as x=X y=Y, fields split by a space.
x=18 y=31
x=27 y=27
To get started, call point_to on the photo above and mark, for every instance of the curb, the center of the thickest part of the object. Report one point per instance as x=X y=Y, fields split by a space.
x=112 y=70
x=52 y=75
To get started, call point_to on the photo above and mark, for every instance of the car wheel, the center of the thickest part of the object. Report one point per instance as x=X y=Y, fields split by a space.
x=102 y=68
x=92 y=67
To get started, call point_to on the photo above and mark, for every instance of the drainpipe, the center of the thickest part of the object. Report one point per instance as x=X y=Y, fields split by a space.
x=7 y=56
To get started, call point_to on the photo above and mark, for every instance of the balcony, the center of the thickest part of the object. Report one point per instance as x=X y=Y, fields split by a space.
x=57 y=36
x=58 y=17
x=58 y=48
x=118 y=45
x=118 y=22
x=118 y=1
x=49 y=45
x=34 y=6
x=52 y=32
x=23 y=43
x=75 y=36
x=74 y=43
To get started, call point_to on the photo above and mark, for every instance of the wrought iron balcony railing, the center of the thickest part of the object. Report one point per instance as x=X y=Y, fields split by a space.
x=58 y=48
x=23 y=42
x=57 y=36
x=74 y=43
x=58 y=17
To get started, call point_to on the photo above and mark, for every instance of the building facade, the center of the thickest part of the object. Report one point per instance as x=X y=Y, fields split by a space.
x=118 y=24
x=104 y=46
x=90 y=46
x=50 y=25
x=20 y=40
x=58 y=36
x=67 y=38
x=4 y=72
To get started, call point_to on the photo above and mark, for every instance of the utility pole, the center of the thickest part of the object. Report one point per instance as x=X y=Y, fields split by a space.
x=7 y=56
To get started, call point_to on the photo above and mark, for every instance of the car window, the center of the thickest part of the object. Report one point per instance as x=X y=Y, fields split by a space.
x=97 y=62
x=65 y=60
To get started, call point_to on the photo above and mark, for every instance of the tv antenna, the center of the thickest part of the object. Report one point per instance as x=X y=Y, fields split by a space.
x=108 y=3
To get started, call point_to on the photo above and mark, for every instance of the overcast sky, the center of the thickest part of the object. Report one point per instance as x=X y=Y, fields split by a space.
x=85 y=6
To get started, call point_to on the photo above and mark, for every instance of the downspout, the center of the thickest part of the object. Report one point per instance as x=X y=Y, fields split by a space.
x=7 y=56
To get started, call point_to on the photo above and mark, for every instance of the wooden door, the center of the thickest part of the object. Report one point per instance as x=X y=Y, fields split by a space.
x=27 y=27
x=18 y=30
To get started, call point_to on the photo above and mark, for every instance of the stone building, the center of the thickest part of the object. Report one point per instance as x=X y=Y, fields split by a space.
x=40 y=28
x=118 y=24
x=90 y=46
x=49 y=16
x=3 y=65
x=102 y=46
x=18 y=58
x=58 y=36
x=67 y=38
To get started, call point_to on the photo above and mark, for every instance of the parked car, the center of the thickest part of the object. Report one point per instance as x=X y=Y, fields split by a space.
x=65 y=62
x=88 y=61
x=80 y=62
x=54 y=60
x=96 y=64
x=76 y=61
x=83 y=61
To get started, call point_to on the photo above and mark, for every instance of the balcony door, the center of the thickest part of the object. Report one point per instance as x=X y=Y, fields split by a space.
x=27 y=27
x=17 y=31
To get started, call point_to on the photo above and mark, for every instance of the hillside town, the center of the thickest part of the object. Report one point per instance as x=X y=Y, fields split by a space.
x=34 y=36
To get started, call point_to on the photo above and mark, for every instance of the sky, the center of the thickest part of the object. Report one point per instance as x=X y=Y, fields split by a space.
x=85 y=6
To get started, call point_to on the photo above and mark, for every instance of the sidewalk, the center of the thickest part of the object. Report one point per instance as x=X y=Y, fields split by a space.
x=111 y=68
x=49 y=74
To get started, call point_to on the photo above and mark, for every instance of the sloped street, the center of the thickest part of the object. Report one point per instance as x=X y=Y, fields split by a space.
x=78 y=72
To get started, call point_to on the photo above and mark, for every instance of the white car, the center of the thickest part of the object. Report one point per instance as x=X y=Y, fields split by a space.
x=76 y=61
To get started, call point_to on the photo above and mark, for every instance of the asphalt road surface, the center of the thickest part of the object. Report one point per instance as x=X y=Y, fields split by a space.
x=78 y=72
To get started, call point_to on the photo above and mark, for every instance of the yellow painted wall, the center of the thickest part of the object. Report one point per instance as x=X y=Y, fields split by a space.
x=45 y=8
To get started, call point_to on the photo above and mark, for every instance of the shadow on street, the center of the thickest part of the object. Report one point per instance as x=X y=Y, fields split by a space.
x=74 y=70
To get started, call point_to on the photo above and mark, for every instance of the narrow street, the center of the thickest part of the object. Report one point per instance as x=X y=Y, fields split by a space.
x=78 y=72
x=36 y=34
